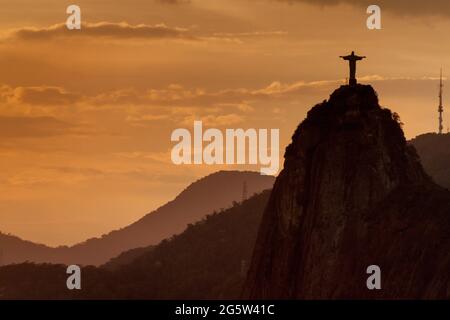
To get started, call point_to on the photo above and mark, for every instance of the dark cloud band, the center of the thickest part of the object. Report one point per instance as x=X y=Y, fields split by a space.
x=105 y=29
x=401 y=7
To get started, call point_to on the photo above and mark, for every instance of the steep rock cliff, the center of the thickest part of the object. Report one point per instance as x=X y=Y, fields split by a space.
x=352 y=194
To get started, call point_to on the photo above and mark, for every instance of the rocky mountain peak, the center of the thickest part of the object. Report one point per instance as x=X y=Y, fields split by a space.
x=341 y=195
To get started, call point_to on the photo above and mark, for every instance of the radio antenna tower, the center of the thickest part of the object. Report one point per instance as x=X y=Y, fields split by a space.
x=441 y=107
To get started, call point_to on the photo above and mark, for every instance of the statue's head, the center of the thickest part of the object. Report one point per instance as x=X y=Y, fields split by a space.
x=353 y=52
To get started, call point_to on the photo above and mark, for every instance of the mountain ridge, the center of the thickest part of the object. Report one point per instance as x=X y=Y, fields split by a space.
x=195 y=201
x=208 y=260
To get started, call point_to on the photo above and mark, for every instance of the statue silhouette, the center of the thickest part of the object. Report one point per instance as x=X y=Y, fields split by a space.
x=352 y=58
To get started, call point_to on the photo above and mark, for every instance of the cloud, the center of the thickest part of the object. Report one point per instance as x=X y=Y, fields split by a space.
x=237 y=37
x=78 y=170
x=33 y=127
x=71 y=175
x=239 y=99
x=112 y=30
x=249 y=34
x=25 y=117
x=177 y=96
x=173 y=1
x=54 y=174
x=43 y=95
x=401 y=7
x=148 y=117
x=126 y=31
x=215 y=120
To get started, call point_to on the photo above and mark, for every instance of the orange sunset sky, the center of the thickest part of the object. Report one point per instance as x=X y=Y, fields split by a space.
x=86 y=116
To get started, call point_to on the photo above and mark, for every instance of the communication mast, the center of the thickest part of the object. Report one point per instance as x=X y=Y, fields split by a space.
x=441 y=107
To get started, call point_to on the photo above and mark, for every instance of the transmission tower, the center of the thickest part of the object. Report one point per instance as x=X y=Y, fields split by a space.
x=441 y=107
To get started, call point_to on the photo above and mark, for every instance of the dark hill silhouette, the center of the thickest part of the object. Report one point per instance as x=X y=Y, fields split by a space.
x=434 y=152
x=210 y=193
x=13 y=249
x=207 y=261
x=126 y=258
x=352 y=194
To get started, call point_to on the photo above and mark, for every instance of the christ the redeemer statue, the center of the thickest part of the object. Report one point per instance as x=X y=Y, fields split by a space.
x=352 y=62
